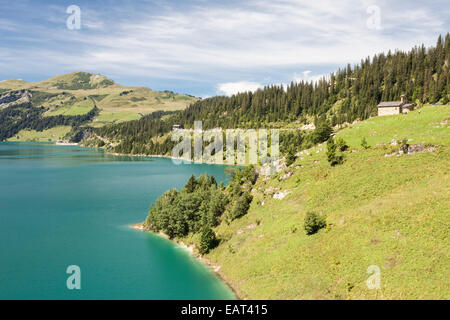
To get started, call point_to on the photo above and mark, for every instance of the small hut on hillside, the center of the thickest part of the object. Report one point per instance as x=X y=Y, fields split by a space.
x=395 y=107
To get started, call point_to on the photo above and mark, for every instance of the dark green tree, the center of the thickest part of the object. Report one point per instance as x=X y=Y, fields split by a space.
x=290 y=156
x=208 y=241
x=322 y=132
x=333 y=156
x=191 y=184
x=241 y=206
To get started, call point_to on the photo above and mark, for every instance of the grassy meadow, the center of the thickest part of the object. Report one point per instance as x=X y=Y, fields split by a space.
x=388 y=211
x=50 y=135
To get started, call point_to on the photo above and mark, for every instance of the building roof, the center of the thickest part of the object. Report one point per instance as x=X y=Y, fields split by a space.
x=409 y=105
x=390 y=104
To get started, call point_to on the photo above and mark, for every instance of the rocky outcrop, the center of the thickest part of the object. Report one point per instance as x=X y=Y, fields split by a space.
x=14 y=96
x=270 y=168
x=309 y=126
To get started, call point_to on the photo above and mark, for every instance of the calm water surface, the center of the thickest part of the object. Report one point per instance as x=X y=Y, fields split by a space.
x=64 y=205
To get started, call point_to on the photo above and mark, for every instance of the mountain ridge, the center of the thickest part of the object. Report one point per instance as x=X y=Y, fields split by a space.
x=75 y=94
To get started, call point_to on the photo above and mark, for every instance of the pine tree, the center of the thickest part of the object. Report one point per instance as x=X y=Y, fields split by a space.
x=290 y=157
x=191 y=184
x=208 y=241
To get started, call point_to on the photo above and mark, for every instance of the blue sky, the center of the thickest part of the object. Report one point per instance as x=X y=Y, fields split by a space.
x=209 y=47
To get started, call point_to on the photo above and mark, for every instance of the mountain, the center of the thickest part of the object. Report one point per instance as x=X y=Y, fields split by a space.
x=76 y=94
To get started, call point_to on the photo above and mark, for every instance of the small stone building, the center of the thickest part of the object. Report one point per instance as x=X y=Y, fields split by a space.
x=395 y=107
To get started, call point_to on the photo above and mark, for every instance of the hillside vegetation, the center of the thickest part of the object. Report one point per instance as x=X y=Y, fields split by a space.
x=313 y=230
x=54 y=134
x=382 y=208
x=76 y=94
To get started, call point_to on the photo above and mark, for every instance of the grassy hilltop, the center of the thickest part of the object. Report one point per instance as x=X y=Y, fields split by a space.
x=76 y=94
x=382 y=208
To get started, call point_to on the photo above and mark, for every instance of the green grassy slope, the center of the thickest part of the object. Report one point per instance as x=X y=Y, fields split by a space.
x=392 y=212
x=53 y=134
x=74 y=93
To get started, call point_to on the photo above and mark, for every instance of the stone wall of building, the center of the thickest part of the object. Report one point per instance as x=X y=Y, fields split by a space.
x=388 y=111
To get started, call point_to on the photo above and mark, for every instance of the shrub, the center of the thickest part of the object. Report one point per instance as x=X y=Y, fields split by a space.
x=314 y=222
x=290 y=157
x=364 y=143
x=332 y=156
x=341 y=144
x=241 y=206
x=322 y=133
x=208 y=241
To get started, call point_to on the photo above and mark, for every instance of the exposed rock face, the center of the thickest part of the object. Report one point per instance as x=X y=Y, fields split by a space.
x=272 y=167
x=271 y=190
x=310 y=126
x=287 y=175
x=421 y=147
x=280 y=195
x=10 y=97
x=413 y=149
x=80 y=135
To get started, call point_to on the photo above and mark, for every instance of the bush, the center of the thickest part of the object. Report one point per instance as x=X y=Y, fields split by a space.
x=341 y=144
x=290 y=157
x=364 y=143
x=241 y=206
x=314 y=222
x=322 y=133
x=332 y=156
x=208 y=241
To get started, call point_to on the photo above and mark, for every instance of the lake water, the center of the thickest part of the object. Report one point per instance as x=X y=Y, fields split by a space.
x=66 y=205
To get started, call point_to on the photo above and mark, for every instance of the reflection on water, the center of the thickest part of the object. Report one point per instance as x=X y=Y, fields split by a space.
x=67 y=154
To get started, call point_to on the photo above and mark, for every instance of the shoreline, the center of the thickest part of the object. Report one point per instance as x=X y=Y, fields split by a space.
x=190 y=249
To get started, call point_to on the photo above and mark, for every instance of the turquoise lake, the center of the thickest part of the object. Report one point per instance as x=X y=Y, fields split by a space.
x=68 y=205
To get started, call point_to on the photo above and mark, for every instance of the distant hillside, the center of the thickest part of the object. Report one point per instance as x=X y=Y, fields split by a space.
x=76 y=94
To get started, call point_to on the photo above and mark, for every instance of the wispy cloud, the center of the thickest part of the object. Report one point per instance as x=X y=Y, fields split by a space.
x=231 y=88
x=209 y=42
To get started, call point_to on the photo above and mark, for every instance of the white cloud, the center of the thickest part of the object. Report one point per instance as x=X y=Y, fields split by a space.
x=231 y=88
x=308 y=76
x=262 y=34
x=214 y=43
